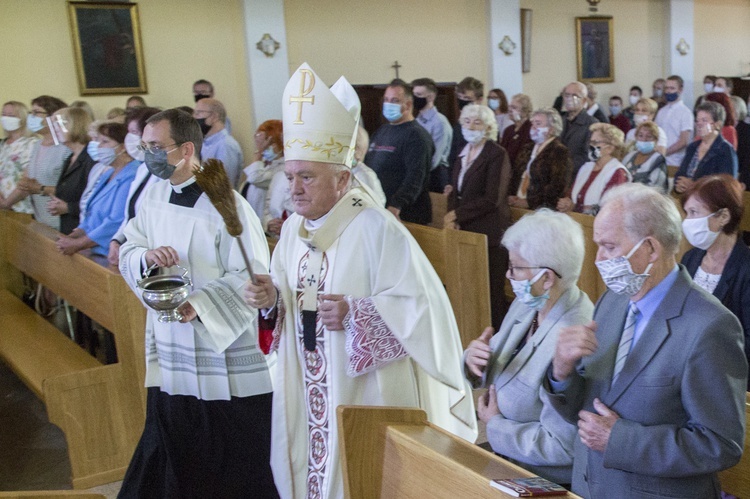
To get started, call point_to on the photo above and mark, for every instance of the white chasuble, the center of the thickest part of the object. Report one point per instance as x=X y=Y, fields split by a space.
x=400 y=346
x=216 y=356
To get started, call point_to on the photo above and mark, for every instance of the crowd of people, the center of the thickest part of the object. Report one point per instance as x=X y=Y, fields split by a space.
x=642 y=395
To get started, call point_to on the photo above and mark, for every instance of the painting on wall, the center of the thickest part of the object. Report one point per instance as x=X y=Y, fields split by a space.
x=595 y=49
x=107 y=48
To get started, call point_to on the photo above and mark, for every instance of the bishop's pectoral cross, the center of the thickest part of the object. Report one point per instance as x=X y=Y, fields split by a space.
x=395 y=66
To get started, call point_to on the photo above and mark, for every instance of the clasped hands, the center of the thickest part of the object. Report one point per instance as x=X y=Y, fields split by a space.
x=264 y=294
x=574 y=343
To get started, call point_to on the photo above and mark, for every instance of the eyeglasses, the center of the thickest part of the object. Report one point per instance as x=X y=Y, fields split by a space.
x=512 y=269
x=143 y=147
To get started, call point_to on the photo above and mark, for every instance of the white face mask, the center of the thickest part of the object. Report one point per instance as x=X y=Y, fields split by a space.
x=132 y=141
x=618 y=275
x=10 y=123
x=538 y=135
x=515 y=115
x=698 y=233
x=720 y=90
x=633 y=99
x=472 y=136
x=708 y=87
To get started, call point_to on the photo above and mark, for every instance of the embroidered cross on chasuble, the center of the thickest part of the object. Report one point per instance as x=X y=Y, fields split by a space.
x=318 y=242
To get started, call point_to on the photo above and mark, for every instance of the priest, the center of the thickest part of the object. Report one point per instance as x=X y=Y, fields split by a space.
x=361 y=316
x=208 y=409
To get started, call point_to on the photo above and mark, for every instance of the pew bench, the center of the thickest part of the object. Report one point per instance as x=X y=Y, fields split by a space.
x=34 y=349
x=395 y=452
x=99 y=408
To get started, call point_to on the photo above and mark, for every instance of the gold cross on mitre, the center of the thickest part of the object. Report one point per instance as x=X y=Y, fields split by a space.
x=303 y=98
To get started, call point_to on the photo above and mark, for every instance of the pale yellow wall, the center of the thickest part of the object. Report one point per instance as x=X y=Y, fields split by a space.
x=638 y=44
x=724 y=47
x=183 y=40
x=443 y=39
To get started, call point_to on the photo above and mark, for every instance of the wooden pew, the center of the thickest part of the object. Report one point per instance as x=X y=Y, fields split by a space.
x=395 y=452
x=100 y=409
x=736 y=480
x=439 y=209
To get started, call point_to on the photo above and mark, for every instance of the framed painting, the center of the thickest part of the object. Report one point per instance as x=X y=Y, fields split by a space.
x=595 y=49
x=107 y=48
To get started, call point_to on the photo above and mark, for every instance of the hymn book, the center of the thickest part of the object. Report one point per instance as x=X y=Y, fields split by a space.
x=529 y=487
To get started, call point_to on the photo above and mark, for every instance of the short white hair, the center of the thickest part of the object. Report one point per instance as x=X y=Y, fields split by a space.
x=485 y=114
x=647 y=212
x=532 y=236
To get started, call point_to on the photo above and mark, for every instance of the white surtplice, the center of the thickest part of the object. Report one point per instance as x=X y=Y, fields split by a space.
x=400 y=346
x=216 y=357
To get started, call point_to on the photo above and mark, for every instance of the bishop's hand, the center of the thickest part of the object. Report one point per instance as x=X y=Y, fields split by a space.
x=332 y=311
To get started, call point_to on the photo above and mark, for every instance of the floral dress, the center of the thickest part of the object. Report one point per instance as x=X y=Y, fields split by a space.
x=14 y=159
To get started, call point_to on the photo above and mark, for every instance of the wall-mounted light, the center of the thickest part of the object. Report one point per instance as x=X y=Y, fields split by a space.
x=268 y=45
x=593 y=5
x=682 y=47
x=507 y=45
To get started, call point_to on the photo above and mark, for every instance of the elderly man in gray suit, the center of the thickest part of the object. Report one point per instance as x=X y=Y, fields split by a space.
x=656 y=382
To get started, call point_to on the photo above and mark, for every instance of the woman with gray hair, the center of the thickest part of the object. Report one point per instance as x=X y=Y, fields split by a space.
x=710 y=155
x=521 y=425
x=546 y=161
x=477 y=199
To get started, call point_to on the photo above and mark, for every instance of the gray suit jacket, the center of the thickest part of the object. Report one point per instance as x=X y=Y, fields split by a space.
x=529 y=431
x=680 y=397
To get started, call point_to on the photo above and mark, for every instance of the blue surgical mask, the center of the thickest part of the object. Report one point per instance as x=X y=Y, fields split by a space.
x=158 y=165
x=645 y=147
x=522 y=289
x=392 y=112
x=494 y=104
x=269 y=155
x=472 y=136
x=106 y=155
x=93 y=149
x=538 y=135
x=671 y=96
x=34 y=123
x=615 y=110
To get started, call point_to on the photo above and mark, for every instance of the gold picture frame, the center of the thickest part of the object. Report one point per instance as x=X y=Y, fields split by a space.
x=595 y=49
x=107 y=48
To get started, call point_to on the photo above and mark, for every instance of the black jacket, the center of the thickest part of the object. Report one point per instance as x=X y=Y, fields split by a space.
x=70 y=187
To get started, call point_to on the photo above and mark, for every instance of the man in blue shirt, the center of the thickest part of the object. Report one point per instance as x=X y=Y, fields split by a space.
x=217 y=143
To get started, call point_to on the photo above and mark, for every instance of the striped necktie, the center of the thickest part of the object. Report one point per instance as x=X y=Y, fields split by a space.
x=626 y=341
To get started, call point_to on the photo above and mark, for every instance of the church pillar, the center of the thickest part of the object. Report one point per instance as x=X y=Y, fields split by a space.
x=267 y=74
x=681 y=27
x=504 y=18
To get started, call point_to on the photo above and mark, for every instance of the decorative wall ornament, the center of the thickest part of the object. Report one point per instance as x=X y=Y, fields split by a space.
x=268 y=45
x=683 y=47
x=593 y=5
x=507 y=45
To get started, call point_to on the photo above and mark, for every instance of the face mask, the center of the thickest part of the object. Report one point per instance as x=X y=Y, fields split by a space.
x=658 y=92
x=494 y=104
x=671 y=96
x=633 y=99
x=639 y=118
x=522 y=289
x=572 y=103
x=472 y=136
x=515 y=115
x=132 y=141
x=201 y=96
x=595 y=152
x=697 y=232
x=205 y=128
x=618 y=275
x=419 y=104
x=392 y=111
x=538 y=135
x=615 y=110
x=719 y=90
x=93 y=149
x=708 y=87
x=269 y=155
x=158 y=165
x=106 y=155
x=462 y=103
x=704 y=129
x=10 y=123
x=645 y=147
x=34 y=123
